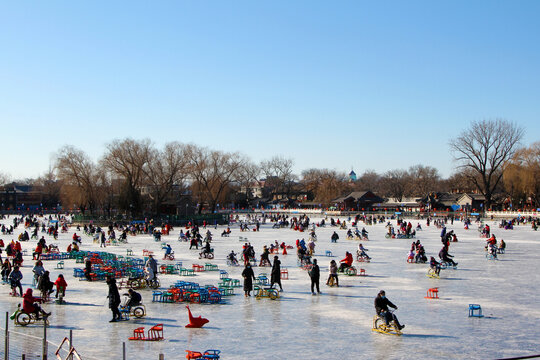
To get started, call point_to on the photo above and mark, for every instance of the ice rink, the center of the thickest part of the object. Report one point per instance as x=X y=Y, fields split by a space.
x=334 y=325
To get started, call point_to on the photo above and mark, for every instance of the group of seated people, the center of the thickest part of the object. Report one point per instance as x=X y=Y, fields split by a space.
x=417 y=253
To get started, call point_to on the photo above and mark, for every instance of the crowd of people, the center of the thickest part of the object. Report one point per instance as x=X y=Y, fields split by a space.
x=305 y=251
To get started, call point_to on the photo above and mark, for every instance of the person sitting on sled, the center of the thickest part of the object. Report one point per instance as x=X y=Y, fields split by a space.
x=435 y=265
x=134 y=298
x=232 y=258
x=381 y=307
x=362 y=251
x=346 y=262
x=30 y=305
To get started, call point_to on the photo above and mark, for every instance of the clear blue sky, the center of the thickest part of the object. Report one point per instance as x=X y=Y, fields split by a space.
x=373 y=85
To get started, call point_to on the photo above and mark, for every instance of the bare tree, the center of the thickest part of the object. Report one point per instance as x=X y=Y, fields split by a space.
x=369 y=180
x=248 y=179
x=127 y=159
x=394 y=184
x=213 y=172
x=423 y=180
x=51 y=188
x=77 y=173
x=165 y=170
x=279 y=174
x=486 y=148
x=460 y=181
x=4 y=178
x=325 y=184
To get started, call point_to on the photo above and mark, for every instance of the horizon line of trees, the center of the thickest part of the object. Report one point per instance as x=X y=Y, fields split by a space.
x=136 y=177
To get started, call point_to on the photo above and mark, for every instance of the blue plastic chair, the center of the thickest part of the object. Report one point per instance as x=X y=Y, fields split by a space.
x=475 y=310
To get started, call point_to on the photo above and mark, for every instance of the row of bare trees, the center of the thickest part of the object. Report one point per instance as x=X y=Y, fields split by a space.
x=134 y=175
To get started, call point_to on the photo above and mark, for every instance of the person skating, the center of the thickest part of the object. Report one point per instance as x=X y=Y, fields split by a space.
x=381 y=307
x=275 y=275
x=315 y=275
x=248 y=276
x=114 y=299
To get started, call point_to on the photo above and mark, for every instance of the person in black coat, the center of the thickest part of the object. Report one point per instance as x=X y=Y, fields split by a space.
x=87 y=269
x=134 y=298
x=275 y=275
x=381 y=307
x=114 y=299
x=45 y=285
x=248 y=276
x=446 y=257
x=315 y=275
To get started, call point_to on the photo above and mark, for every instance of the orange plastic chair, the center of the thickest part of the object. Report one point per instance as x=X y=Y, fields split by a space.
x=193 y=355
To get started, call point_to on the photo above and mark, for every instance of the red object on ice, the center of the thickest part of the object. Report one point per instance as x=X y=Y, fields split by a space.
x=195 y=322
x=284 y=251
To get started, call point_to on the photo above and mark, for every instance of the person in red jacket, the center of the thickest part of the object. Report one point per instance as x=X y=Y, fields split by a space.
x=347 y=262
x=61 y=286
x=37 y=253
x=30 y=304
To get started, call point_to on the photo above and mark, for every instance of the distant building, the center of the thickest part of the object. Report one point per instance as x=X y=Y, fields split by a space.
x=454 y=201
x=352 y=176
x=21 y=197
x=403 y=204
x=358 y=200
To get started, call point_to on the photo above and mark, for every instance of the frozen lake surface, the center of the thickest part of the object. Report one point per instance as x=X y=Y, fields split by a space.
x=336 y=324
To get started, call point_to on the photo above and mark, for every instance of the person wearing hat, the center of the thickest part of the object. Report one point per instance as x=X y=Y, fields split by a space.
x=381 y=307
x=275 y=275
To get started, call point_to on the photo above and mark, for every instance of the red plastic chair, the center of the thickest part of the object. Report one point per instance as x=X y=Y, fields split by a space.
x=138 y=334
x=155 y=333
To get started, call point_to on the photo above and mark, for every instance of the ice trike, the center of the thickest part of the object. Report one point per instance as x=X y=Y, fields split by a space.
x=22 y=318
x=379 y=325
x=271 y=293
